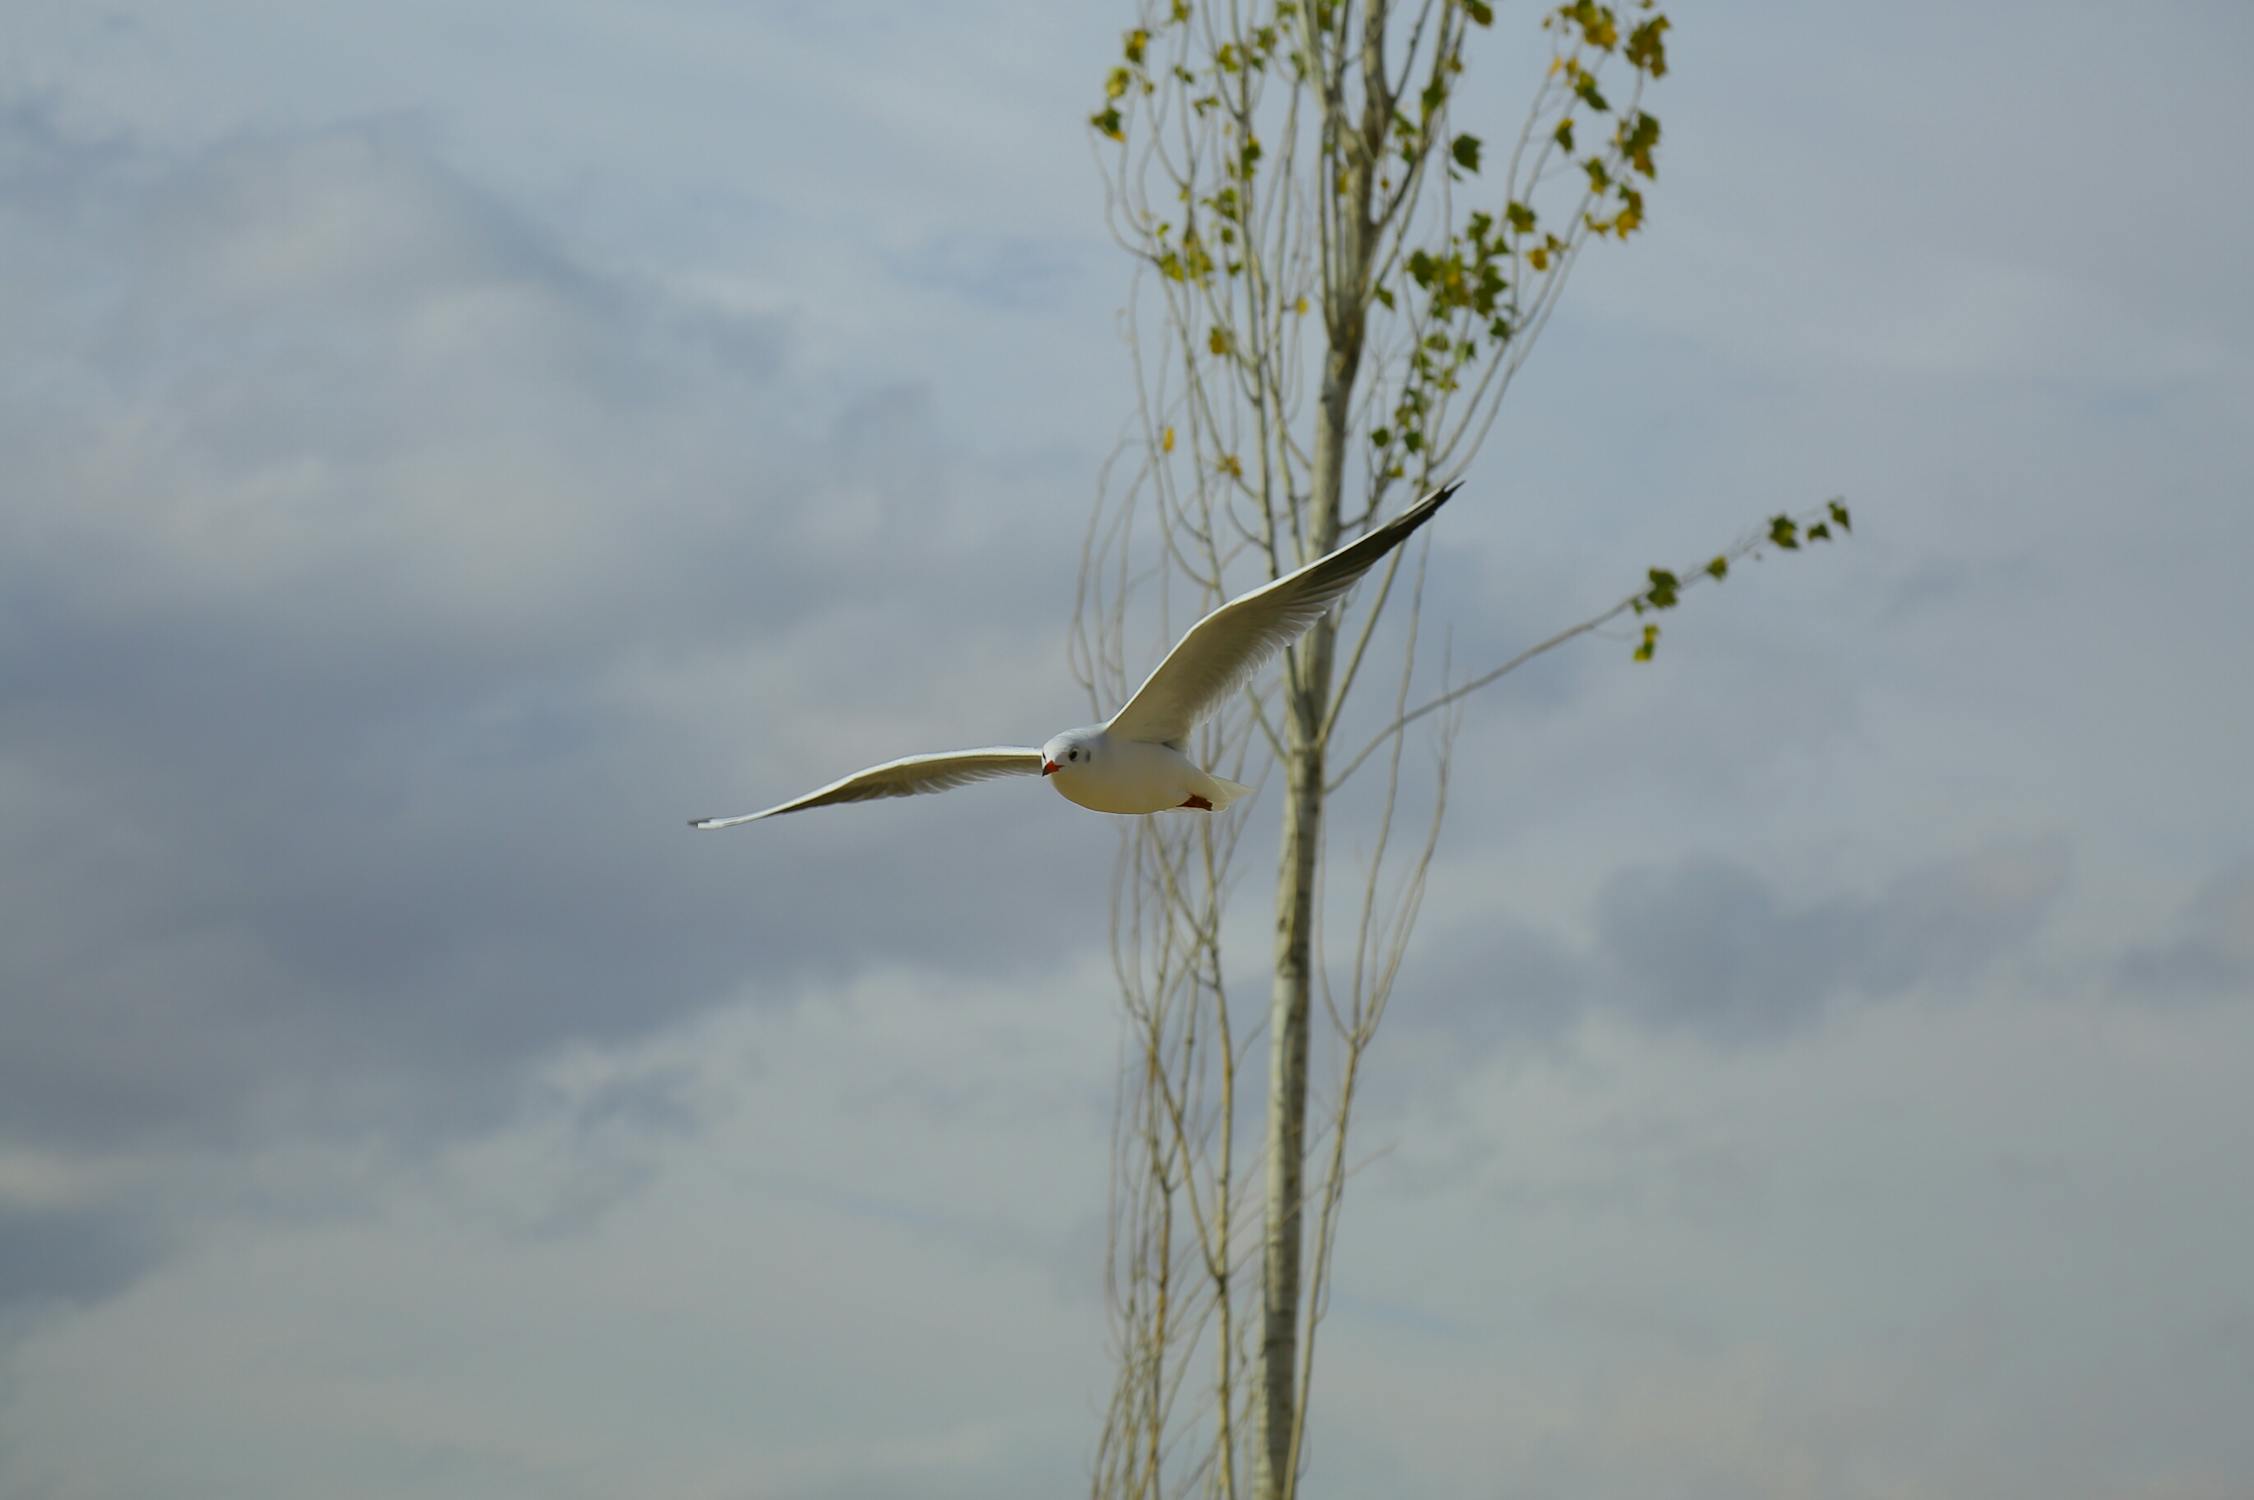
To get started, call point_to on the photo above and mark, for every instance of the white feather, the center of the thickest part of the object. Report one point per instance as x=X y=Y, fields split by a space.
x=909 y=776
x=1219 y=652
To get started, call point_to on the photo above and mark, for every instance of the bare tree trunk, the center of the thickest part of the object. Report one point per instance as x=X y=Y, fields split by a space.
x=1287 y=1069
x=1345 y=274
x=1308 y=686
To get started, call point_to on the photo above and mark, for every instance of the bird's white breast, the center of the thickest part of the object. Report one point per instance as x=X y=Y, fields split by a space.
x=1128 y=776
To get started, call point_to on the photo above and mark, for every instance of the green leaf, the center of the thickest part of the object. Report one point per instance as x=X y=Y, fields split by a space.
x=1647 y=47
x=1196 y=264
x=1465 y=149
x=1785 y=532
x=1596 y=22
x=1839 y=515
x=1662 y=591
x=1637 y=138
x=1480 y=11
x=1563 y=135
x=1718 y=568
x=1521 y=218
x=1651 y=643
x=1381 y=437
x=1108 y=123
x=1631 y=214
x=1820 y=532
x=1137 y=40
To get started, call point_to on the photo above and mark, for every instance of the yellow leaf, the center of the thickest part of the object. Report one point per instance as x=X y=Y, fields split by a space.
x=1538 y=258
x=1166 y=440
x=1217 y=340
x=1300 y=307
x=1228 y=465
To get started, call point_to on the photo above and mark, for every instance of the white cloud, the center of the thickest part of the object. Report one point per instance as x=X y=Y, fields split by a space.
x=1634 y=1264
x=854 y=1205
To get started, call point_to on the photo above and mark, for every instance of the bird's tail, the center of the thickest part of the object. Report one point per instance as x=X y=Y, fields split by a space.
x=1225 y=792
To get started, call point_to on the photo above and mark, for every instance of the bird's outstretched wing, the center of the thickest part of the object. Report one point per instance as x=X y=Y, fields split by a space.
x=1220 y=651
x=906 y=777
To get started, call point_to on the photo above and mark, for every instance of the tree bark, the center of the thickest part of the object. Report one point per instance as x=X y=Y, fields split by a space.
x=1308 y=680
x=1346 y=295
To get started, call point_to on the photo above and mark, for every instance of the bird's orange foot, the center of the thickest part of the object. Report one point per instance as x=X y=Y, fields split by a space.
x=1200 y=804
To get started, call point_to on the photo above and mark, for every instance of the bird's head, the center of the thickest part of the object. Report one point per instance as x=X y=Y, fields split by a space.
x=1073 y=750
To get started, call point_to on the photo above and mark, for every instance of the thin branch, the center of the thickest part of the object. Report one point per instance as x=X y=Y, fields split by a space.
x=1747 y=546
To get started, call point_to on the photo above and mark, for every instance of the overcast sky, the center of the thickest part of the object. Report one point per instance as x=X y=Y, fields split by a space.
x=448 y=445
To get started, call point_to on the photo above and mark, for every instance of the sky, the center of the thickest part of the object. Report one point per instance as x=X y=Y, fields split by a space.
x=450 y=445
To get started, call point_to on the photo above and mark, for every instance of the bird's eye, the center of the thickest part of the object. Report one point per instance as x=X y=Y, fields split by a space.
x=1074 y=755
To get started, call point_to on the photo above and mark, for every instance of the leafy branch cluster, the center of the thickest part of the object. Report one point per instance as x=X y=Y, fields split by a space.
x=1471 y=293
x=1208 y=117
x=1783 y=532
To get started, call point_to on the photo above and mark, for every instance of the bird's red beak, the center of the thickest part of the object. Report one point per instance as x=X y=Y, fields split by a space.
x=1048 y=768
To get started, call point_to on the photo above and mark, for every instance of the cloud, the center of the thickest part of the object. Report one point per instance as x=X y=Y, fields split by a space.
x=2212 y=953
x=1008 y=272
x=70 y=1255
x=385 y=588
x=1712 y=948
x=1507 y=981
x=795 y=1239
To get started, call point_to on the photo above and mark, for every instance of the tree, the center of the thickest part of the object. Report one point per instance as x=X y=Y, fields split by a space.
x=1333 y=293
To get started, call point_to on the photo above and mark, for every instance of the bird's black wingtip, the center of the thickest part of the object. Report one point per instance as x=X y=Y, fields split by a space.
x=1425 y=509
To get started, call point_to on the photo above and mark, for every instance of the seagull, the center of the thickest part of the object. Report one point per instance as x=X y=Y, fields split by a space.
x=1135 y=763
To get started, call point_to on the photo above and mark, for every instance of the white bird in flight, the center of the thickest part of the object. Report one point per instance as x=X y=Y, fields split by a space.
x=1135 y=763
